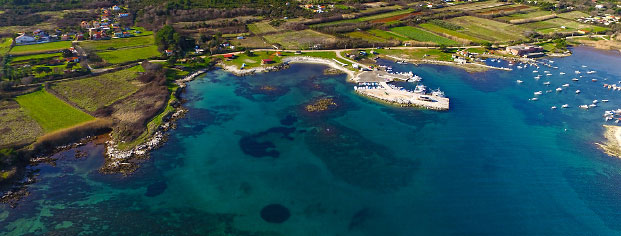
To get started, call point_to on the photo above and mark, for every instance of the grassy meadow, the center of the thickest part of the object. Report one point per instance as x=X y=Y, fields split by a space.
x=40 y=48
x=130 y=54
x=422 y=36
x=17 y=126
x=50 y=112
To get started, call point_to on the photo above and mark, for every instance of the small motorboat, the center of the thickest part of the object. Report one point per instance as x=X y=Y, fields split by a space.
x=590 y=72
x=565 y=85
x=534 y=99
x=553 y=107
x=546 y=83
x=574 y=79
x=559 y=89
x=592 y=105
x=583 y=66
x=604 y=100
x=595 y=101
x=577 y=72
x=519 y=81
x=538 y=93
x=565 y=106
x=562 y=73
x=578 y=91
x=594 y=80
x=584 y=106
x=535 y=71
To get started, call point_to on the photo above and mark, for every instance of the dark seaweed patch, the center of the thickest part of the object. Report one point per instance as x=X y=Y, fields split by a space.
x=359 y=161
x=288 y=120
x=259 y=144
x=275 y=213
x=156 y=189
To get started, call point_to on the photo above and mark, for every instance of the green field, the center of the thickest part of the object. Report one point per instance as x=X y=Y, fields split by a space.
x=556 y=24
x=299 y=39
x=261 y=28
x=440 y=30
x=418 y=54
x=50 y=112
x=365 y=36
x=572 y=15
x=489 y=30
x=131 y=54
x=98 y=45
x=35 y=56
x=40 y=48
x=17 y=126
x=99 y=91
x=366 y=18
x=387 y=35
x=421 y=35
x=526 y=15
x=5 y=45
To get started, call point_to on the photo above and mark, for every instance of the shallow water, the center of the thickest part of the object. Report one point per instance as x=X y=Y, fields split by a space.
x=495 y=164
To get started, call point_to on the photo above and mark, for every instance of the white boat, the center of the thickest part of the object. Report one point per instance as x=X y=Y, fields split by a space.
x=551 y=61
x=583 y=66
x=535 y=71
x=420 y=89
x=594 y=80
x=546 y=83
x=519 y=81
x=519 y=67
x=553 y=107
x=565 y=106
x=578 y=91
x=575 y=79
x=538 y=93
x=547 y=72
x=556 y=67
x=559 y=89
x=577 y=72
x=565 y=85
x=604 y=100
x=592 y=105
x=562 y=73
x=590 y=72
x=534 y=99
x=438 y=93
x=538 y=77
x=584 y=106
x=595 y=101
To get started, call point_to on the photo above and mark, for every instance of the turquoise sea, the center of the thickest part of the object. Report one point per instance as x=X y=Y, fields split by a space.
x=249 y=160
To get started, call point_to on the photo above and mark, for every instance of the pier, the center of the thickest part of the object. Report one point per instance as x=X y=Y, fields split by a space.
x=376 y=84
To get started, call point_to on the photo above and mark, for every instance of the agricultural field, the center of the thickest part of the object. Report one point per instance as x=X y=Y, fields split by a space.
x=366 y=18
x=528 y=15
x=18 y=127
x=441 y=30
x=387 y=35
x=299 y=39
x=5 y=45
x=508 y=9
x=261 y=28
x=99 y=45
x=572 y=15
x=128 y=54
x=250 y=42
x=489 y=30
x=50 y=112
x=45 y=56
x=40 y=48
x=418 y=54
x=561 y=25
x=366 y=36
x=255 y=59
x=475 y=6
x=100 y=91
x=422 y=36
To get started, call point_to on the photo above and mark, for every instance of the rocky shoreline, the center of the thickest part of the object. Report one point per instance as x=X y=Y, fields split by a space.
x=612 y=145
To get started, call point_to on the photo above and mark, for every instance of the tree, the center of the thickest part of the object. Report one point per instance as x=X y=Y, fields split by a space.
x=249 y=53
x=443 y=48
x=42 y=69
x=487 y=45
x=67 y=53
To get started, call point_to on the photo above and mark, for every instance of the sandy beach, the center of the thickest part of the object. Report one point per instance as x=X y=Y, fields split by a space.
x=290 y=60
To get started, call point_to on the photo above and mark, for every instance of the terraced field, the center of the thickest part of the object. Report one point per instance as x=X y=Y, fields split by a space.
x=572 y=15
x=366 y=36
x=561 y=25
x=367 y=18
x=489 y=30
x=520 y=16
x=261 y=28
x=5 y=45
x=422 y=36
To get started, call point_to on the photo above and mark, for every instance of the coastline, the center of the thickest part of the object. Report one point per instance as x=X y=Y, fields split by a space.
x=612 y=145
x=469 y=67
x=288 y=60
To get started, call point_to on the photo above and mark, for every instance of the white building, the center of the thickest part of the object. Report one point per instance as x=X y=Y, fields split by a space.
x=22 y=39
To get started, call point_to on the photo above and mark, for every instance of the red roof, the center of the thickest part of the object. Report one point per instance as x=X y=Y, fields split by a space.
x=267 y=60
x=228 y=55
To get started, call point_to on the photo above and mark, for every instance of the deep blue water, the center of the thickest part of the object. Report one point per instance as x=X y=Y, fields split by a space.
x=495 y=164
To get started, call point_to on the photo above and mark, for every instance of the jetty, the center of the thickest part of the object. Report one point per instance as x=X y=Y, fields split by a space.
x=376 y=84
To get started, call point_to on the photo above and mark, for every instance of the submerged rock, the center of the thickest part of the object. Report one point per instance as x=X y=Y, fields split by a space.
x=275 y=213
x=321 y=105
x=156 y=189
